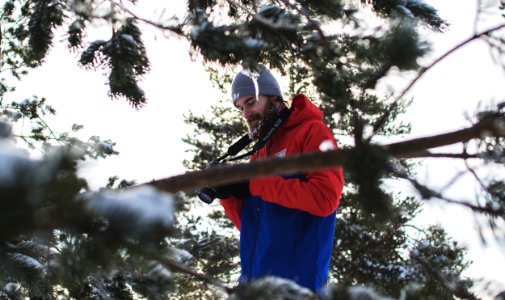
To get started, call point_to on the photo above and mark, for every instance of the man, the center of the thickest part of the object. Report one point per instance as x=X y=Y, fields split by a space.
x=286 y=222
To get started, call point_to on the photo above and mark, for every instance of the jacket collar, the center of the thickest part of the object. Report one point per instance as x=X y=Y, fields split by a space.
x=303 y=110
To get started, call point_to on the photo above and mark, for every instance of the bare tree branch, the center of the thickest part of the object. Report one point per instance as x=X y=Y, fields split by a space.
x=429 y=154
x=201 y=276
x=319 y=160
x=422 y=71
x=428 y=193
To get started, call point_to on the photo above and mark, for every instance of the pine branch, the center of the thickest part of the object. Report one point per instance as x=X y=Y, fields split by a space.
x=304 y=162
x=380 y=123
x=261 y=19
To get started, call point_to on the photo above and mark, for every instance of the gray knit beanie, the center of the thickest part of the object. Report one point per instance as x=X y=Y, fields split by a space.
x=248 y=83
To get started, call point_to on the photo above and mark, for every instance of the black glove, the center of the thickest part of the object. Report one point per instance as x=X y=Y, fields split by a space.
x=238 y=190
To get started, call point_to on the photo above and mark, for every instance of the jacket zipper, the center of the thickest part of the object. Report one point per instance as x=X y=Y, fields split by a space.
x=253 y=255
x=269 y=147
x=258 y=211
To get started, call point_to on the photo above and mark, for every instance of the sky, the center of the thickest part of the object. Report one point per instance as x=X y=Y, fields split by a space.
x=441 y=99
x=149 y=139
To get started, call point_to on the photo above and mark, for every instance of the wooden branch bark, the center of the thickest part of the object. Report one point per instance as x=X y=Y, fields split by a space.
x=320 y=160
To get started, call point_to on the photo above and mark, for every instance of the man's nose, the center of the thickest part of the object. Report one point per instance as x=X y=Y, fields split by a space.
x=246 y=113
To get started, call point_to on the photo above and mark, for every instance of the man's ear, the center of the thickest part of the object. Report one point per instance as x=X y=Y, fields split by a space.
x=276 y=100
x=280 y=103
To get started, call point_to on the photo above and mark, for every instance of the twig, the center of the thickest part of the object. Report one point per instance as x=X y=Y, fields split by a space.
x=307 y=16
x=428 y=154
x=428 y=193
x=477 y=15
x=422 y=71
x=262 y=20
x=203 y=277
x=147 y=21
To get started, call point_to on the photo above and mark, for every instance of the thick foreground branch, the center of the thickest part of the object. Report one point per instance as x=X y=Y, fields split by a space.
x=319 y=160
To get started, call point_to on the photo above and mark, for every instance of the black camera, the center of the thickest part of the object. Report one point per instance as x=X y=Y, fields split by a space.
x=207 y=194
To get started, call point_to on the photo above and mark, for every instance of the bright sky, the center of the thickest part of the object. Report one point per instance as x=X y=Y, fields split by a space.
x=149 y=139
x=445 y=93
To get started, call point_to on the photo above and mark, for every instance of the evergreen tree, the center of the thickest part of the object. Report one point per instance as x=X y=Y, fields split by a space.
x=61 y=240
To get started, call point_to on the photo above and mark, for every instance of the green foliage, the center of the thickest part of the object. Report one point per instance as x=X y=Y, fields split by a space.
x=367 y=165
x=76 y=33
x=384 y=256
x=60 y=240
x=45 y=16
x=370 y=252
x=492 y=148
x=14 y=40
x=333 y=9
x=125 y=55
x=28 y=32
x=410 y=9
x=438 y=264
x=497 y=192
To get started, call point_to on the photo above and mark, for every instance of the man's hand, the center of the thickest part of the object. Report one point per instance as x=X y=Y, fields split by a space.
x=238 y=190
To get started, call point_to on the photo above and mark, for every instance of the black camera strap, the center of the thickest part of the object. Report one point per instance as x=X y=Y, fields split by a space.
x=244 y=141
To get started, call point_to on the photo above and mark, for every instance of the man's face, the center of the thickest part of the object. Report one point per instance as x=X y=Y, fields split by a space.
x=257 y=112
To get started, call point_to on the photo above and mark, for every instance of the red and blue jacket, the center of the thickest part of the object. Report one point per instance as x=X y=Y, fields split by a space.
x=287 y=225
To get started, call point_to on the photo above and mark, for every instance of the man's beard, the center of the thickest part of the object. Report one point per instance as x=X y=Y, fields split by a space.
x=264 y=121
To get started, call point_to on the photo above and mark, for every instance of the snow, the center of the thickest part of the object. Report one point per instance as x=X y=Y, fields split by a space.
x=5 y=129
x=12 y=114
x=12 y=287
x=253 y=43
x=406 y=272
x=105 y=147
x=26 y=261
x=326 y=145
x=146 y=203
x=281 y=22
x=159 y=273
x=405 y=11
x=11 y=162
x=24 y=102
x=182 y=255
x=336 y=117
x=367 y=131
x=363 y=292
x=282 y=288
x=128 y=38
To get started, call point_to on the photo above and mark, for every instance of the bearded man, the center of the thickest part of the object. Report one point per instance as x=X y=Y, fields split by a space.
x=286 y=222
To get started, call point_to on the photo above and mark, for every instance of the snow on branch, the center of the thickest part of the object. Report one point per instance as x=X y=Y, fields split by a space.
x=144 y=206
